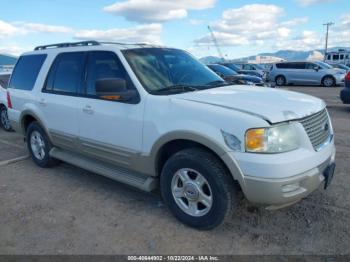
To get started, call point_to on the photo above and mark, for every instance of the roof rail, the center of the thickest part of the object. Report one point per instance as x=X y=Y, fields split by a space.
x=60 y=45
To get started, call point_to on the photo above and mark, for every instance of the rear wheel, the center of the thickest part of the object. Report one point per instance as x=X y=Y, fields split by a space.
x=197 y=189
x=39 y=145
x=328 y=81
x=280 y=80
x=4 y=120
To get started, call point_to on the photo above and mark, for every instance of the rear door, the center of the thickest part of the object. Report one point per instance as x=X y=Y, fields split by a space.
x=110 y=130
x=59 y=102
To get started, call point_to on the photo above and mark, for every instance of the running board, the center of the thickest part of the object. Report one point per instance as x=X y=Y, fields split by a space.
x=140 y=181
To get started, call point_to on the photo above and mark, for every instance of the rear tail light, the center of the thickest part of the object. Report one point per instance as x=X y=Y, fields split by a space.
x=9 y=103
x=347 y=77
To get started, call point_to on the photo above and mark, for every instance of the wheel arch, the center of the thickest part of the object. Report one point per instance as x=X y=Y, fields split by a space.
x=173 y=142
x=27 y=117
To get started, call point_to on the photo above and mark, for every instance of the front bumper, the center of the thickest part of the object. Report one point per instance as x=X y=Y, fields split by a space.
x=340 y=79
x=278 y=180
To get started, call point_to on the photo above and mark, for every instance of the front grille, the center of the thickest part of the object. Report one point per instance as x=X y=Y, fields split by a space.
x=318 y=128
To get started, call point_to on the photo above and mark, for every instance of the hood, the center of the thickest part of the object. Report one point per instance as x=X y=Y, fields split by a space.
x=270 y=104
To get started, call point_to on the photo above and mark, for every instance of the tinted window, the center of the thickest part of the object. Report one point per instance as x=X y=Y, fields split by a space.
x=335 y=57
x=282 y=65
x=26 y=72
x=104 y=65
x=310 y=66
x=341 y=57
x=297 y=65
x=66 y=73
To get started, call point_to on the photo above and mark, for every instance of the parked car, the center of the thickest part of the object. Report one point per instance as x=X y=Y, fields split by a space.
x=233 y=77
x=239 y=70
x=305 y=73
x=4 y=121
x=345 y=93
x=248 y=67
x=150 y=117
x=341 y=66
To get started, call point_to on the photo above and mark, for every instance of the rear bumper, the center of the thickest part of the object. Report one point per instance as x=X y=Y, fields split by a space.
x=345 y=95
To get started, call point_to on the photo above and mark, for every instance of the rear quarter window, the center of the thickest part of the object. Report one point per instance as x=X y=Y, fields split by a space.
x=26 y=72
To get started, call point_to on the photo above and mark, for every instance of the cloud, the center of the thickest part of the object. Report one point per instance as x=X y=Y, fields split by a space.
x=312 y=2
x=42 y=28
x=139 y=34
x=23 y=28
x=150 y=11
x=7 y=29
x=255 y=23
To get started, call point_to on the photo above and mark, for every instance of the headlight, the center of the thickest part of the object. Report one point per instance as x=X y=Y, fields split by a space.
x=276 y=139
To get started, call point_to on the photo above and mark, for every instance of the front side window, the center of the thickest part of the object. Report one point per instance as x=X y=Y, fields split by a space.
x=26 y=72
x=102 y=65
x=66 y=73
x=169 y=69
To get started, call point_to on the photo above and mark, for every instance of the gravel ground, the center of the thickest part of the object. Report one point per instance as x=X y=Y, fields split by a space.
x=66 y=210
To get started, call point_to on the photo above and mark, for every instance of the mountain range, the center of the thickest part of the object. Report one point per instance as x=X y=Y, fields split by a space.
x=7 y=59
x=285 y=54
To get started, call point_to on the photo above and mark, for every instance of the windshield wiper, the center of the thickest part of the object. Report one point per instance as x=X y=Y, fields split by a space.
x=177 y=88
x=217 y=83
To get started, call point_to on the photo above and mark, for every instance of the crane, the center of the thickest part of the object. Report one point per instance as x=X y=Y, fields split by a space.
x=216 y=43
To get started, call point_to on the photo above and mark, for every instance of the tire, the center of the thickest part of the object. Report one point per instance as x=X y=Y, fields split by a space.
x=328 y=81
x=4 y=120
x=280 y=80
x=39 y=146
x=182 y=198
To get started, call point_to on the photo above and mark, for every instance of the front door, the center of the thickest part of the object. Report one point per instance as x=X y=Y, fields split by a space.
x=109 y=130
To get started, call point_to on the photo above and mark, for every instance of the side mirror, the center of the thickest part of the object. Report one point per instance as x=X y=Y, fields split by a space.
x=114 y=89
x=316 y=68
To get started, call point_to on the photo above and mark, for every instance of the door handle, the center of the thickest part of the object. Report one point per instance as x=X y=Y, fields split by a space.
x=42 y=102
x=88 y=110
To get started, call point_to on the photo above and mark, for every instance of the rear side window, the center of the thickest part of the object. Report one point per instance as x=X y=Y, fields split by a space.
x=26 y=72
x=66 y=73
x=282 y=65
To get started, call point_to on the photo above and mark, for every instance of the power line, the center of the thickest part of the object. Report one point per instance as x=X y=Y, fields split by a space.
x=326 y=46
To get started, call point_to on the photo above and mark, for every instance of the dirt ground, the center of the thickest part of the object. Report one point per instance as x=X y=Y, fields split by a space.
x=66 y=210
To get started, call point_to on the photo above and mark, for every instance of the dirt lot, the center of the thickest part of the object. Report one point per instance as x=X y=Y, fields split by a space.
x=66 y=210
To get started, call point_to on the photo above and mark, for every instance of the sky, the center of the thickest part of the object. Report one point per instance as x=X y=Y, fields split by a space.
x=242 y=28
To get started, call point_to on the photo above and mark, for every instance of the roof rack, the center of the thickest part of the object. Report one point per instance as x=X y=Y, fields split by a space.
x=60 y=45
x=87 y=43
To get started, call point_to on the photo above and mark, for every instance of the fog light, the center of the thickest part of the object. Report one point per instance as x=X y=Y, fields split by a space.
x=290 y=188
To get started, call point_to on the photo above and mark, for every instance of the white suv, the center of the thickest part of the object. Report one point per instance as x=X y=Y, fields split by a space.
x=152 y=116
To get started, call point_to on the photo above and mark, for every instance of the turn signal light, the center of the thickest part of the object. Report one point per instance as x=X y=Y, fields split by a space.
x=255 y=139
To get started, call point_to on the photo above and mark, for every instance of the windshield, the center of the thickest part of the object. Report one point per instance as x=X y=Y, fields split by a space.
x=222 y=70
x=166 y=69
x=324 y=65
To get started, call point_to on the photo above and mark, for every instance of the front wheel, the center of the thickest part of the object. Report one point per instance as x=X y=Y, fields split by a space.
x=328 y=81
x=280 y=80
x=197 y=188
x=4 y=120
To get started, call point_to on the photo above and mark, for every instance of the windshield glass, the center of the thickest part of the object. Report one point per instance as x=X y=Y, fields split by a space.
x=165 y=69
x=222 y=70
x=324 y=65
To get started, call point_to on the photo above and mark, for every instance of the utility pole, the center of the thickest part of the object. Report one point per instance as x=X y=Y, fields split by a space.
x=326 y=46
